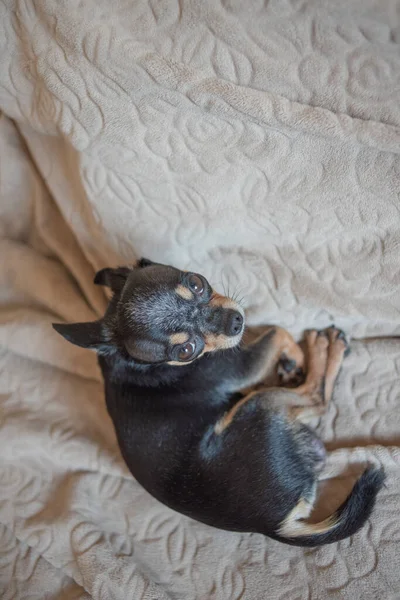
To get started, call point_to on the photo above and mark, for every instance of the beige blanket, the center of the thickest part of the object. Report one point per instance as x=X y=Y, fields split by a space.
x=257 y=142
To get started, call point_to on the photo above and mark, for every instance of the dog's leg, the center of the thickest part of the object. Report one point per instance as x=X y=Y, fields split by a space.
x=326 y=350
x=260 y=359
x=338 y=350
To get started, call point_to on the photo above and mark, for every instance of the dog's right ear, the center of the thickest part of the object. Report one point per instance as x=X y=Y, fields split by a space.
x=87 y=335
x=112 y=278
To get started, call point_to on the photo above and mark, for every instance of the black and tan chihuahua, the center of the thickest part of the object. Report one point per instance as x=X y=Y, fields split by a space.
x=175 y=383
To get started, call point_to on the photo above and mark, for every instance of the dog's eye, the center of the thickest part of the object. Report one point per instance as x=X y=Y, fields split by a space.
x=195 y=284
x=186 y=351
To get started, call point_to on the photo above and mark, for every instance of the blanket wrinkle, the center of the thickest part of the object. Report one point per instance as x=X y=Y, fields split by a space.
x=257 y=143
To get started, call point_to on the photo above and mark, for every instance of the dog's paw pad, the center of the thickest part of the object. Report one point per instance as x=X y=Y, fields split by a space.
x=287 y=364
x=289 y=372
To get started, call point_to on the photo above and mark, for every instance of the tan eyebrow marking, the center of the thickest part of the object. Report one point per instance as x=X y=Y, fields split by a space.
x=184 y=292
x=178 y=338
x=175 y=363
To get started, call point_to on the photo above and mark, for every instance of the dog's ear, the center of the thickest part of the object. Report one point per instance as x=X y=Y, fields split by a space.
x=87 y=335
x=145 y=262
x=112 y=278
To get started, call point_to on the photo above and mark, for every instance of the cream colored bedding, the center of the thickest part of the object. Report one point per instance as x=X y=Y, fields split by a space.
x=257 y=142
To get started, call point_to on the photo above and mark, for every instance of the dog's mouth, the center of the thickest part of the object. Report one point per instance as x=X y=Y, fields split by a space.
x=229 y=336
x=234 y=325
x=220 y=341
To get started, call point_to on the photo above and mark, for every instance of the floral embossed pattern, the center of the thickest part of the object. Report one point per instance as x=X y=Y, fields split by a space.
x=255 y=142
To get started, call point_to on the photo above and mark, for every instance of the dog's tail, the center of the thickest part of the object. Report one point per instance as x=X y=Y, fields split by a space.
x=346 y=521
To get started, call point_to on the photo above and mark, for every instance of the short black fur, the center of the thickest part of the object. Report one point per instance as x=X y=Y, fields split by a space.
x=186 y=431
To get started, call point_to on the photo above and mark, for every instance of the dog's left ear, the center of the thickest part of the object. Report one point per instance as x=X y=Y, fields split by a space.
x=145 y=262
x=87 y=335
x=112 y=278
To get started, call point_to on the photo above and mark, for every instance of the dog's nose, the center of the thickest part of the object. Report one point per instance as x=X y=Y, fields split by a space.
x=233 y=323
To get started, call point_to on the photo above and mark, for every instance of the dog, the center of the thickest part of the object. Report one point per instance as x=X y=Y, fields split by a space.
x=192 y=434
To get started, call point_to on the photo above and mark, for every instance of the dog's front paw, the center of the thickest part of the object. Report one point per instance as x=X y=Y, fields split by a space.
x=290 y=366
x=338 y=337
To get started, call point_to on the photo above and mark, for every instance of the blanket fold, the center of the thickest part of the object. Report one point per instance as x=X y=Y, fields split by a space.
x=257 y=143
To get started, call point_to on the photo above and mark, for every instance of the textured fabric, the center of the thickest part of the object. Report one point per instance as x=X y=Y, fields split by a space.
x=256 y=142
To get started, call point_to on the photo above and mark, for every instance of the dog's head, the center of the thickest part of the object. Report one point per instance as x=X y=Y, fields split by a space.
x=159 y=314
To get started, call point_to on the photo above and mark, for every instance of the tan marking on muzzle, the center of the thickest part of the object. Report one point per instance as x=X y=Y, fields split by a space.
x=222 y=301
x=221 y=341
x=215 y=342
x=184 y=292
